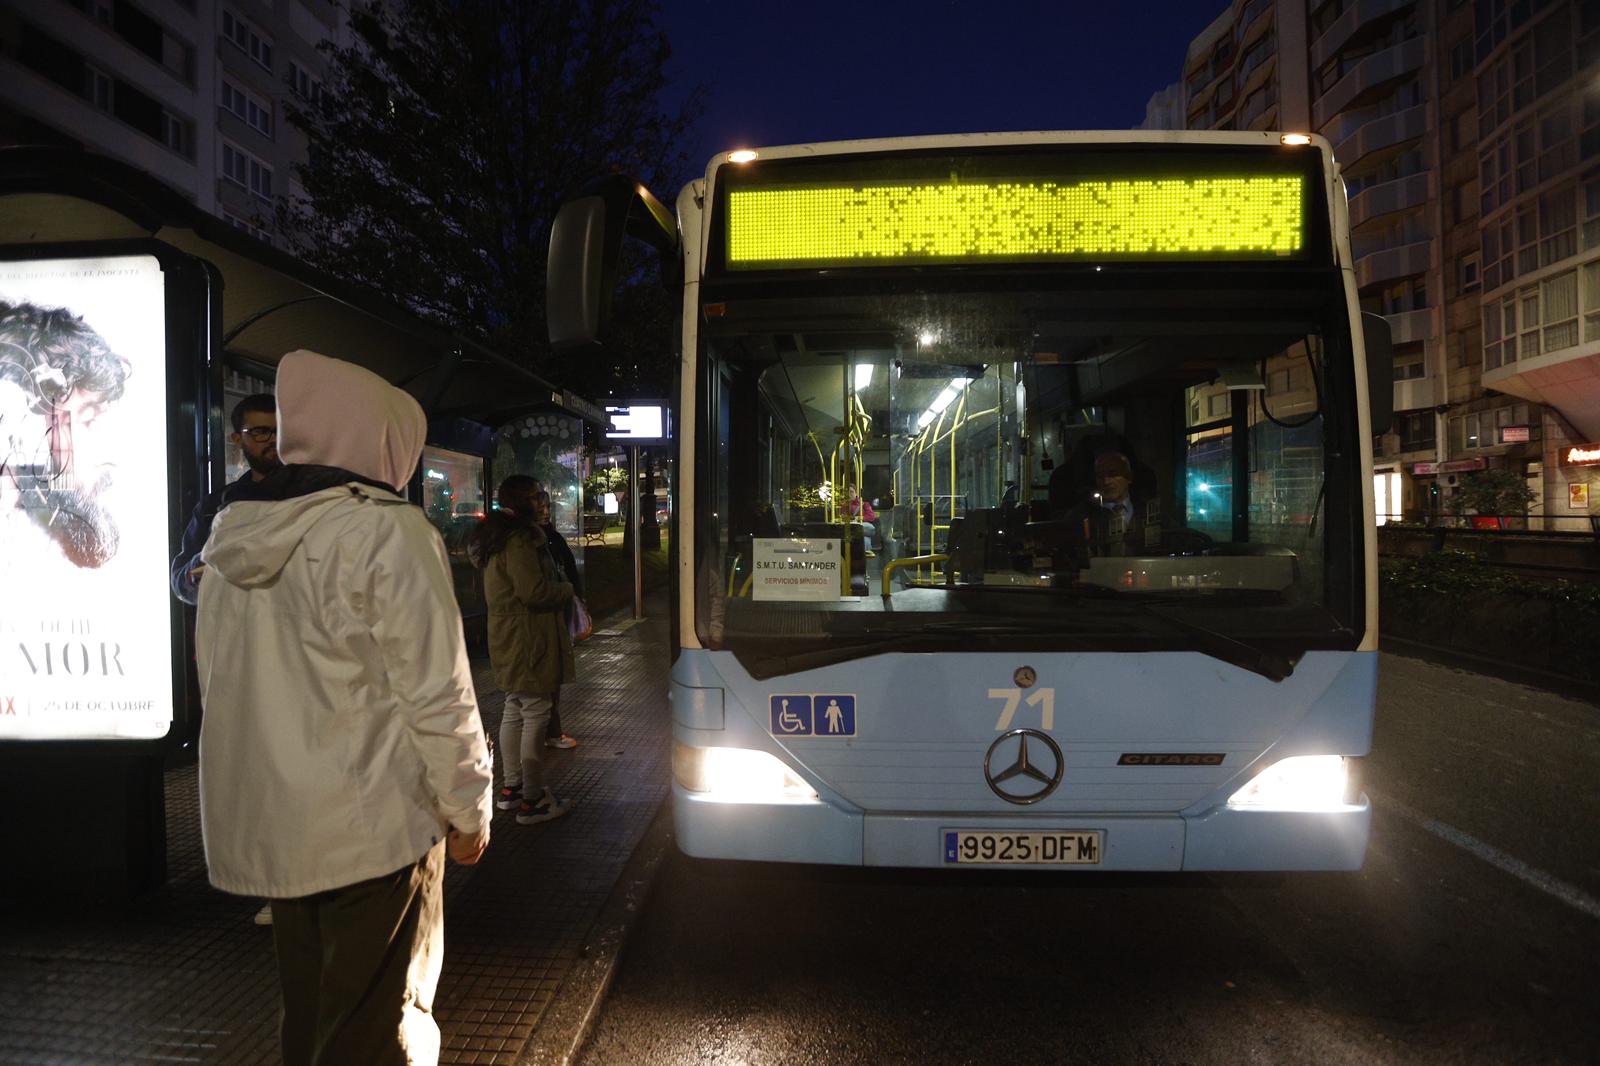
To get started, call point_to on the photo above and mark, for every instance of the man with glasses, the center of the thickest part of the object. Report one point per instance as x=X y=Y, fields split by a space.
x=255 y=433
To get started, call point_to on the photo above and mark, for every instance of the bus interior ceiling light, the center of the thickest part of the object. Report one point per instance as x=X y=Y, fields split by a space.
x=1298 y=783
x=743 y=155
x=740 y=775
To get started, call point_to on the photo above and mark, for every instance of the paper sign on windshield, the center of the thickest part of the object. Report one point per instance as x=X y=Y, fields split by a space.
x=796 y=568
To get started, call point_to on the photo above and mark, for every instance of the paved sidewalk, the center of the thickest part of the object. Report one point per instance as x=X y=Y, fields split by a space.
x=185 y=976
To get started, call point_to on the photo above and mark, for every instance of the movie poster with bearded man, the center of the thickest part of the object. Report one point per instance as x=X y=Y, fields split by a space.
x=85 y=618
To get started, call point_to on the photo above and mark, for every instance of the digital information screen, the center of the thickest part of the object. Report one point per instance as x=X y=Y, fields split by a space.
x=638 y=423
x=85 y=612
x=792 y=225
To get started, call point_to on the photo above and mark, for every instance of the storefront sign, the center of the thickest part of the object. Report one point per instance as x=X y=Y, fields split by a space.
x=86 y=644
x=1581 y=455
x=1514 y=434
x=1578 y=496
x=1420 y=469
x=796 y=568
x=1456 y=466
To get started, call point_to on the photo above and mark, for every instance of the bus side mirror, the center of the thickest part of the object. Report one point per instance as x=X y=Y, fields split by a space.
x=585 y=248
x=1380 y=370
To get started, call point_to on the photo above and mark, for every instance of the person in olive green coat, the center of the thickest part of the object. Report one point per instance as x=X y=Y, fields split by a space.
x=529 y=646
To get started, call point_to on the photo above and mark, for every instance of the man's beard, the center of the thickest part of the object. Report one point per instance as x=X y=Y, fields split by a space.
x=261 y=464
x=85 y=531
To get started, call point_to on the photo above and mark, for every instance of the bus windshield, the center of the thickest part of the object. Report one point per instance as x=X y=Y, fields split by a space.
x=1085 y=466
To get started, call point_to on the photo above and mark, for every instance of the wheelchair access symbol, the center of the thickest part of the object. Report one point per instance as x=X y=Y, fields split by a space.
x=791 y=716
x=811 y=715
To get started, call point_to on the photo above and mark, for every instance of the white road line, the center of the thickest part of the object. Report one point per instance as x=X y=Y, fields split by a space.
x=1571 y=895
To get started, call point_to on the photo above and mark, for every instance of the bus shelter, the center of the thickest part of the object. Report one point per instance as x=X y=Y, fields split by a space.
x=130 y=323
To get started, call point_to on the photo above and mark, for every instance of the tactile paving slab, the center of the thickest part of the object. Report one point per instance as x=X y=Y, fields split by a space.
x=186 y=976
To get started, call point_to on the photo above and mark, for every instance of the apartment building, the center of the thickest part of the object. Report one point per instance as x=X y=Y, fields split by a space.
x=1537 y=193
x=190 y=91
x=1463 y=131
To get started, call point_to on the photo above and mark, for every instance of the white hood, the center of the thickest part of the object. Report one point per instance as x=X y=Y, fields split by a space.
x=333 y=413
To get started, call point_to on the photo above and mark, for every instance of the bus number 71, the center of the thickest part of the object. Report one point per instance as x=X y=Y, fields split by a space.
x=1045 y=699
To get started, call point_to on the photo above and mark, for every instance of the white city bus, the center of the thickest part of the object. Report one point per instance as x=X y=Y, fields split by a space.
x=1024 y=502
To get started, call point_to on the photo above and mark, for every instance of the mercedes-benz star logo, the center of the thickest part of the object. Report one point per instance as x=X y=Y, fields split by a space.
x=1025 y=677
x=1025 y=768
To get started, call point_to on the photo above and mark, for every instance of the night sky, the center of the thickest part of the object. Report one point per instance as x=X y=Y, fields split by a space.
x=789 y=71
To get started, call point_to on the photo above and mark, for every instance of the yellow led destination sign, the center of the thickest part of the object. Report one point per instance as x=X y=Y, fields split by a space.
x=882 y=223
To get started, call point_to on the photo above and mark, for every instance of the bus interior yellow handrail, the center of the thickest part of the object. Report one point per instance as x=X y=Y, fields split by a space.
x=910 y=560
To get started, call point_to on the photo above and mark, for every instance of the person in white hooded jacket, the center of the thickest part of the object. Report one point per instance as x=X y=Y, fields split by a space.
x=341 y=752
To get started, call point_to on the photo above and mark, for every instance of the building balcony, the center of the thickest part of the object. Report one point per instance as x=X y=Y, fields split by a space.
x=1370 y=75
x=1410 y=327
x=1251 y=24
x=1380 y=133
x=43 y=100
x=1415 y=394
x=1261 y=66
x=1567 y=380
x=1355 y=17
x=1402 y=194
x=1389 y=264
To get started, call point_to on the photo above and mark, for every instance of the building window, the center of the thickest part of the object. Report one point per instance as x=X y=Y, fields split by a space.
x=1559 y=296
x=1461 y=131
x=1416 y=430
x=256 y=113
x=1591 y=302
x=246 y=226
x=1467 y=276
x=303 y=84
x=1485 y=429
x=177 y=133
x=97 y=88
x=245 y=170
x=1409 y=367
x=1461 y=60
x=251 y=43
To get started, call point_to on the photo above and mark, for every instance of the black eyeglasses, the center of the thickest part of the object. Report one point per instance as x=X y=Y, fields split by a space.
x=260 y=434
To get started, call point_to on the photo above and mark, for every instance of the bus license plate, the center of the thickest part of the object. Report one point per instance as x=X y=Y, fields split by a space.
x=1049 y=846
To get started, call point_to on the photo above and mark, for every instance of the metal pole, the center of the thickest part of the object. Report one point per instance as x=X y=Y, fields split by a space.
x=636 y=518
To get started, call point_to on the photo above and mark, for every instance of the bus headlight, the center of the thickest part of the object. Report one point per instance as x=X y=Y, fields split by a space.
x=1298 y=783
x=738 y=775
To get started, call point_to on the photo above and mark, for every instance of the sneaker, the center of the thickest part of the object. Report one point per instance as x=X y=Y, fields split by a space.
x=563 y=741
x=547 y=809
x=509 y=798
x=264 y=915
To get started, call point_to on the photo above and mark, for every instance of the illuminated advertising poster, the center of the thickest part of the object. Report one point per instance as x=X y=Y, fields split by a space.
x=85 y=618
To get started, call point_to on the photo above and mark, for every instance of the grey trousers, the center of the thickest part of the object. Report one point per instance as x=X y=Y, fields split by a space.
x=522 y=731
x=359 y=965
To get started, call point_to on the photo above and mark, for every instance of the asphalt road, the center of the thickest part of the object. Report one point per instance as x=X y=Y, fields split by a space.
x=1472 y=935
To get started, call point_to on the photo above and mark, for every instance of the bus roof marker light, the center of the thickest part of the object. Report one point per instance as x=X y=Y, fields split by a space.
x=1295 y=139
x=743 y=155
